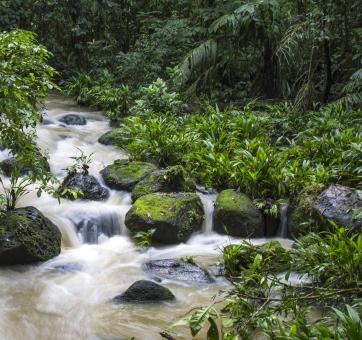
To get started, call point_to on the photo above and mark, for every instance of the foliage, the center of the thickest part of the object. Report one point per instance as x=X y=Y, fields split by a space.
x=80 y=165
x=156 y=99
x=265 y=302
x=269 y=153
x=18 y=188
x=25 y=80
x=143 y=239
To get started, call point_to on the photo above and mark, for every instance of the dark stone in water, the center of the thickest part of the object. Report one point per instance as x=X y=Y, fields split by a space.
x=68 y=267
x=73 y=119
x=178 y=270
x=92 y=228
x=144 y=291
x=91 y=188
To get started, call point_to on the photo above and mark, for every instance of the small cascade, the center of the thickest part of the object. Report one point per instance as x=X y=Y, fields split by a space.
x=93 y=230
x=283 y=224
x=208 y=201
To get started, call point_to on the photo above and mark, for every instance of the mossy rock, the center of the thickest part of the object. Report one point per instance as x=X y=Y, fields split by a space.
x=172 y=179
x=173 y=216
x=26 y=236
x=124 y=174
x=108 y=138
x=303 y=217
x=236 y=215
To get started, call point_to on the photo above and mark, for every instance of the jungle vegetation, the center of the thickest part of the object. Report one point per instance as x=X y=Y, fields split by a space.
x=263 y=96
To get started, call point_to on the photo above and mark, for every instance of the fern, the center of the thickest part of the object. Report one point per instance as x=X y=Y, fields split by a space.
x=200 y=56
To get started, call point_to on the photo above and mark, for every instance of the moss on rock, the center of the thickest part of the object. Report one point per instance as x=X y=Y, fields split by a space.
x=125 y=174
x=26 y=236
x=173 y=216
x=236 y=215
x=171 y=179
x=304 y=218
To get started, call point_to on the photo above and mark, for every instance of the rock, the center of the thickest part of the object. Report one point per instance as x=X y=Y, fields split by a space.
x=236 y=215
x=173 y=216
x=340 y=204
x=107 y=138
x=8 y=165
x=144 y=291
x=172 y=179
x=303 y=217
x=178 y=270
x=89 y=186
x=26 y=236
x=125 y=174
x=73 y=119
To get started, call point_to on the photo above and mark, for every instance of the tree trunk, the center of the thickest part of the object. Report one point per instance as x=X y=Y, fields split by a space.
x=328 y=70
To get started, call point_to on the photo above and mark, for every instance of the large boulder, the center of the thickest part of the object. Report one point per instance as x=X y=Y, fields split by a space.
x=236 y=215
x=26 y=236
x=87 y=184
x=177 y=270
x=341 y=205
x=144 y=291
x=172 y=179
x=173 y=216
x=125 y=174
x=73 y=119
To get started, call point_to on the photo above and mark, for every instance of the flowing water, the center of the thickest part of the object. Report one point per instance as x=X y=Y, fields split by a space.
x=70 y=296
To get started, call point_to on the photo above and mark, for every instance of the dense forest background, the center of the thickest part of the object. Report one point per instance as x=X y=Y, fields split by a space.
x=257 y=100
x=304 y=51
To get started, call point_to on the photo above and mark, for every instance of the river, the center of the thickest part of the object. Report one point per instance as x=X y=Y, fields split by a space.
x=69 y=297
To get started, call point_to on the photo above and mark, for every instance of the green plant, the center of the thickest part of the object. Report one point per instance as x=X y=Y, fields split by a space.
x=80 y=165
x=188 y=259
x=156 y=98
x=143 y=239
x=18 y=187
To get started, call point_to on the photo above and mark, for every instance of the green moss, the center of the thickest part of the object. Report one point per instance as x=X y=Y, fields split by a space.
x=304 y=218
x=174 y=216
x=125 y=174
x=172 y=179
x=236 y=215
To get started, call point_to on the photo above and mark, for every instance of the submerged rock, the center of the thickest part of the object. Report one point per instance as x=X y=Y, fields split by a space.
x=236 y=215
x=68 y=267
x=90 y=187
x=339 y=204
x=125 y=174
x=173 y=216
x=178 y=270
x=73 y=119
x=144 y=291
x=172 y=179
x=26 y=236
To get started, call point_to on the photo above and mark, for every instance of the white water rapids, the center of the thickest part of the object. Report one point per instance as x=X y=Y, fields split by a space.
x=70 y=296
